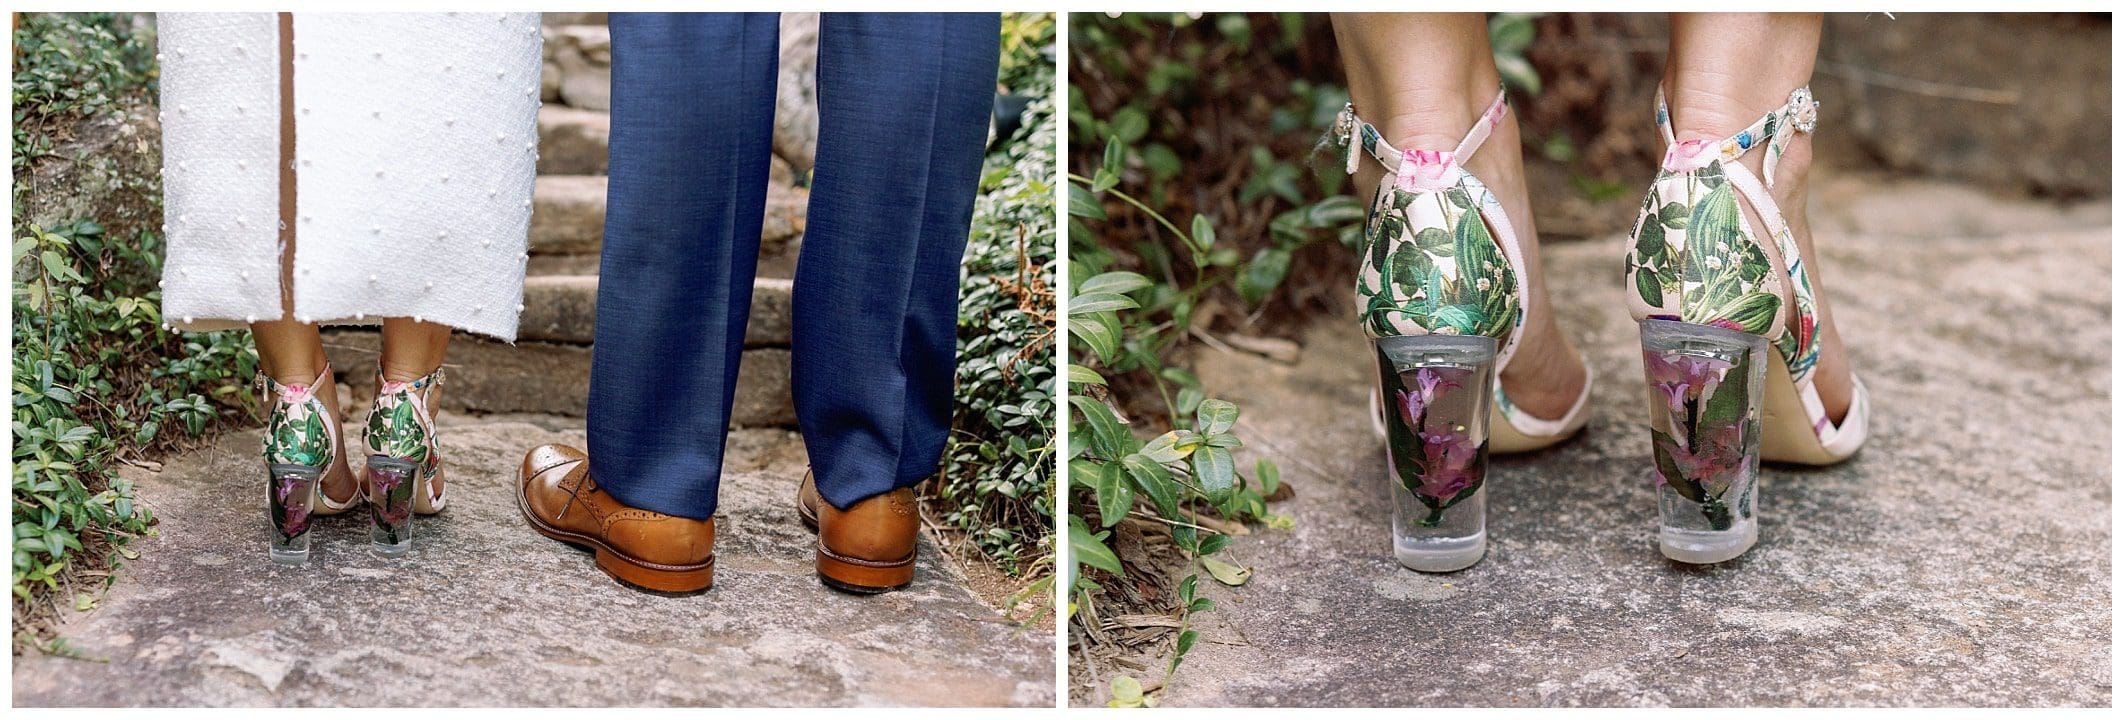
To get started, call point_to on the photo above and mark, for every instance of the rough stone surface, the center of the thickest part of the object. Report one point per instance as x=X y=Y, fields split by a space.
x=572 y=141
x=583 y=54
x=796 y=111
x=1962 y=558
x=573 y=18
x=486 y=612
x=1965 y=96
x=563 y=309
x=568 y=218
x=485 y=376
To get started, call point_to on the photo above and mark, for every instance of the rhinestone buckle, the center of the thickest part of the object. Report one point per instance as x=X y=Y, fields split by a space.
x=1804 y=110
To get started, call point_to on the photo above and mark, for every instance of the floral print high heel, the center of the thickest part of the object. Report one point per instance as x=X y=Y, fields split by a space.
x=1710 y=309
x=1440 y=293
x=404 y=474
x=301 y=447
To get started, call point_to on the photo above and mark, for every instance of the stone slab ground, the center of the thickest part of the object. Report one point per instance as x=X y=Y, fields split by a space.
x=486 y=612
x=1961 y=559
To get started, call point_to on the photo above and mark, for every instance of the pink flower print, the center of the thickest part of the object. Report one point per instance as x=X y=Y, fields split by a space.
x=1449 y=464
x=1425 y=170
x=1727 y=324
x=296 y=394
x=1688 y=155
x=1494 y=115
x=1676 y=394
x=1713 y=464
x=394 y=387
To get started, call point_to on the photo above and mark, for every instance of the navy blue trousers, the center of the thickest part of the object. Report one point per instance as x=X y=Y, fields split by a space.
x=904 y=102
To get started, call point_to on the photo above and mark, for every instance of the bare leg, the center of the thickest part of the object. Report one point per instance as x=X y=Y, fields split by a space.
x=1724 y=70
x=412 y=349
x=1424 y=79
x=289 y=350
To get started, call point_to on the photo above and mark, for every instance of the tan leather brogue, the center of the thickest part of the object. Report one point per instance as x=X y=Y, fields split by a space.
x=868 y=548
x=645 y=549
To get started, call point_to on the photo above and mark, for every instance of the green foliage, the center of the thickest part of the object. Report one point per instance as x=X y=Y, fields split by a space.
x=69 y=67
x=97 y=377
x=1510 y=34
x=998 y=481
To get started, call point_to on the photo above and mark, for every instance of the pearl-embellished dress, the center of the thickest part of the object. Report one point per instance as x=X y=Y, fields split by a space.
x=416 y=145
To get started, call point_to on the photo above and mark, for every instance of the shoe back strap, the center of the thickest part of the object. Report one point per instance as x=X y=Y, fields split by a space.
x=1774 y=131
x=1360 y=137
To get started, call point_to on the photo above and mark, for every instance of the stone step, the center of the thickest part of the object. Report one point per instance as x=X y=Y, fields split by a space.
x=568 y=218
x=563 y=309
x=552 y=19
x=578 y=66
x=485 y=376
x=572 y=141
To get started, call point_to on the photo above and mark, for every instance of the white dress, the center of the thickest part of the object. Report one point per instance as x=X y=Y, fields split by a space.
x=416 y=145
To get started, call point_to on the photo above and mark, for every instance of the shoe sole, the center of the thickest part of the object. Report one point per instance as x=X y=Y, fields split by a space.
x=855 y=575
x=638 y=573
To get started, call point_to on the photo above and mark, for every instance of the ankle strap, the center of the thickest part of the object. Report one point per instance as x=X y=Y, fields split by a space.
x=1775 y=130
x=268 y=387
x=1357 y=135
x=416 y=384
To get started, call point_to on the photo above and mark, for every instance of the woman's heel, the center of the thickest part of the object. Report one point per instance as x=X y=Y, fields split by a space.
x=390 y=487
x=1437 y=396
x=291 y=496
x=1706 y=388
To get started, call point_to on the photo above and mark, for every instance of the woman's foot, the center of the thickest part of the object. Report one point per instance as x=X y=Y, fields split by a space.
x=1703 y=110
x=1546 y=375
x=404 y=473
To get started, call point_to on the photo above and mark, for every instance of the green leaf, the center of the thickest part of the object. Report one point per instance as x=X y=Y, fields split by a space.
x=1648 y=287
x=1156 y=483
x=1755 y=311
x=1110 y=438
x=1227 y=573
x=1205 y=235
x=1215 y=416
x=1173 y=446
x=1651 y=242
x=1673 y=216
x=1083 y=204
x=1265 y=472
x=1079 y=374
x=1663 y=449
x=1118 y=282
x=1263 y=274
x=1086 y=548
x=1127 y=693
x=1729 y=400
x=1115 y=496
x=1213 y=471
x=1100 y=302
x=1116 y=155
x=1129 y=124
x=1099 y=332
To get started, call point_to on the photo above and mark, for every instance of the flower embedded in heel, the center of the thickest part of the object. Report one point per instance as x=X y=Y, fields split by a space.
x=1706 y=389
x=1437 y=393
x=1718 y=282
x=404 y=474
x=301 y=444
x=291 y=498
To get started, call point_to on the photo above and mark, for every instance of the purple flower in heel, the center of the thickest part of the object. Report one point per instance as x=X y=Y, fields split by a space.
x=294 y=509
x=1680 y=377
x=1429 y=382
x=1449 y=464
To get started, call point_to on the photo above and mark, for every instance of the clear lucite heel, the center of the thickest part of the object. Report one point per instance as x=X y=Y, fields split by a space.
x=1706 y=387
x=291 y=495
x=391 y=483
x=1437 y=396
